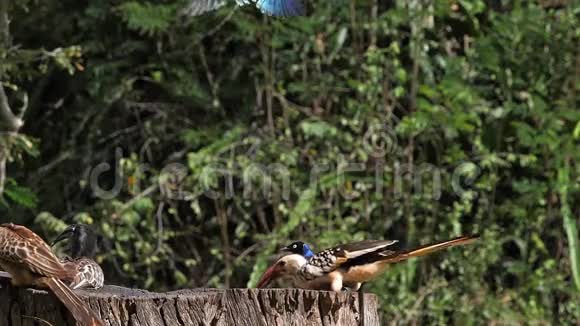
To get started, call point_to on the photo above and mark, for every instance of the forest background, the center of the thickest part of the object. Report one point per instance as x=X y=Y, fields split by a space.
x=197 y=146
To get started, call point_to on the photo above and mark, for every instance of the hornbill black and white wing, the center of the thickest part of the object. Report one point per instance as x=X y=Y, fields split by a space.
x=330 y=259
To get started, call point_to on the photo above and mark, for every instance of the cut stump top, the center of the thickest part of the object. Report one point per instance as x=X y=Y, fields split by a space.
x=252 y=307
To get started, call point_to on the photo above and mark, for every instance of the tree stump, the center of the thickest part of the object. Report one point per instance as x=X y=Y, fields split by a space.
x=252 y=307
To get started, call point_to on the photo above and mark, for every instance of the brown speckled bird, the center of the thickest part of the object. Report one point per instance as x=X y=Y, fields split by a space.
x=31 y=262
x=82 y=247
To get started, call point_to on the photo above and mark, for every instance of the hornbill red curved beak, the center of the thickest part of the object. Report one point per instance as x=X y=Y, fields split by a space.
x=272 y=273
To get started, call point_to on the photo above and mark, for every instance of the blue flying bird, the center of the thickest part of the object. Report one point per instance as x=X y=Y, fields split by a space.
x=279 y=8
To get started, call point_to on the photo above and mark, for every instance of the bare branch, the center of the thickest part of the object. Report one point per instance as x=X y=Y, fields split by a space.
x=9 y=123
x=20 y=113
x=8 y=120
x=5 y=40
x=40 y=320
x=3 y=158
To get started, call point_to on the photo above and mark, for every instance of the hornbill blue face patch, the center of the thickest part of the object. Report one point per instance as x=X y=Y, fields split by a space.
x=299 y=248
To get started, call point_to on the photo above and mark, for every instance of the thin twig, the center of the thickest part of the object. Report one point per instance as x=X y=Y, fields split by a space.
x=145 y=193
x=220 y=24
x=23 y=107
x=8 y=121
x=54 y=163
x=3 y=158
x=374 y=27
x=159 y=216
x=286 y=104
x=5 y=40
x=423 y=293
x=223 y=221
x=37 y=319
x=247 y=252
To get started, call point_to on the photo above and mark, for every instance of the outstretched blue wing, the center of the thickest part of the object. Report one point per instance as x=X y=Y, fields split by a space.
x=281 y=7
x=268 y=7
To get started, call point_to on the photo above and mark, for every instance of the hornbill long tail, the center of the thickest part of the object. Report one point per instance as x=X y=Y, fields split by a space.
x=430 y=248
x=370 y=265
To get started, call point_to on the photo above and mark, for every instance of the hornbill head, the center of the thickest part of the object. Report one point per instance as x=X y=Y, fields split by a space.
x=287 y=266
x=82 y=240
x=299 y=248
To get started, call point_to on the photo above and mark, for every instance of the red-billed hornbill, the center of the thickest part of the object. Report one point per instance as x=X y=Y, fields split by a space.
x=349 y=264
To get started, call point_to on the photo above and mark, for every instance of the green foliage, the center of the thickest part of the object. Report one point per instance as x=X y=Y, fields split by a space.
x=569 y=221
x=20 y=195
x=147 y=18
x=228 y=136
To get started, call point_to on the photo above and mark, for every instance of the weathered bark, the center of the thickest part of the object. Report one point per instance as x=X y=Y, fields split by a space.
x=251 y=307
